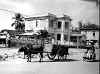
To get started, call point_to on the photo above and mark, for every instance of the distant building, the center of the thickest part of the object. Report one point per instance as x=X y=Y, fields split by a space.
x=3 y=37
x=91 y=33
x=11 y=32
x=9 y=35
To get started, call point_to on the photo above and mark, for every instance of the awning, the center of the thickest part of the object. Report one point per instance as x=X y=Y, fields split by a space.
x=29 y=34
x=76 y=34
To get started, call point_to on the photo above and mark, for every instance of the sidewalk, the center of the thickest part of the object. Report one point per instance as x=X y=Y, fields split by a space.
x=78 y=53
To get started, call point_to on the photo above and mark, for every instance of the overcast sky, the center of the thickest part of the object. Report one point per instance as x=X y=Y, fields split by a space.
x=76 y=9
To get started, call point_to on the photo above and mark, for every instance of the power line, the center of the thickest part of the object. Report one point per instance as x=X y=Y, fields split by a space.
x=8 y=10
x=13 y=12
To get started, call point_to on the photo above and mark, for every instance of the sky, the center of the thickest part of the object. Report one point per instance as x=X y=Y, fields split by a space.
x=78 y=10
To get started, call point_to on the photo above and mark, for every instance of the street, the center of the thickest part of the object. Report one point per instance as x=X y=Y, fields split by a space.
x=74 y=65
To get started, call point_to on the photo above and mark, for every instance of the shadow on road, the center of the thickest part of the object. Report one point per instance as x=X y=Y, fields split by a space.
x=94 y=61
x=65 y=60
x=56 y=60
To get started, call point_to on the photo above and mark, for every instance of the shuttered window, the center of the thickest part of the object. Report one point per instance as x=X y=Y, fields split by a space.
x=94 y=34
x=59 y=24
x=66 y=37
x=58 y=36
x=66 y=25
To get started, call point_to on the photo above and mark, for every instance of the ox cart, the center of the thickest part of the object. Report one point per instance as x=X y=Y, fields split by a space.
x=39 y=46
x=60 y=51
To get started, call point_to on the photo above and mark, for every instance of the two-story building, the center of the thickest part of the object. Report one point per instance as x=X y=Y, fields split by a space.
x=60 y=27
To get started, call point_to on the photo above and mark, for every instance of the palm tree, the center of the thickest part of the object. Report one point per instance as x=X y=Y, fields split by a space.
x=80 y=24
x=19 y=23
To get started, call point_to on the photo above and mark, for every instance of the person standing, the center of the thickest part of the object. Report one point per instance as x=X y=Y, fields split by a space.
x=8 y=42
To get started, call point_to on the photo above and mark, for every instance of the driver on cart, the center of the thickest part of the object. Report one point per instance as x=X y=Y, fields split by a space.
x=90 y=46
x=90 y=53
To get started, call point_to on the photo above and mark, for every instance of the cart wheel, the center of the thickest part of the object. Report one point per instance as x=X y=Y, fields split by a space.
x=51 y=56
x=94 y=56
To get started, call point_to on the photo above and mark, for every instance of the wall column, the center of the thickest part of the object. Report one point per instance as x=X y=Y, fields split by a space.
x=69 y=32
x=62 y=38
x=77 y=42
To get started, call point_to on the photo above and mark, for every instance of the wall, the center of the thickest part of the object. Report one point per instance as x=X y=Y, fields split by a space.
x=89 y=35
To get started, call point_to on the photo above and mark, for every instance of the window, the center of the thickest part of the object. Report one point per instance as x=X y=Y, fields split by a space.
x=66 y=25
x=66 y=37
x=59 y=24
x=58 y=36
x=73 y=38
x=93 y=33
x=51 y=23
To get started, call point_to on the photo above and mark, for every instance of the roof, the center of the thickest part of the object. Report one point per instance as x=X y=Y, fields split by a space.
x=65 y=17
x=90 y=27
x=76 y=34
x=28 y=34
x=12 y=32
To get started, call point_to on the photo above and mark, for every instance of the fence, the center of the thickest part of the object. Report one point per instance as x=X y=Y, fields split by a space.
x=19 y=42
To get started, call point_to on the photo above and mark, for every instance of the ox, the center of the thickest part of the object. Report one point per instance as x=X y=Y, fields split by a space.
x=29 y=49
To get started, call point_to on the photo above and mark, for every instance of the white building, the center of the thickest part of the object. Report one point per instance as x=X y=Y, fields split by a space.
x=91 y=34
x=60 y=27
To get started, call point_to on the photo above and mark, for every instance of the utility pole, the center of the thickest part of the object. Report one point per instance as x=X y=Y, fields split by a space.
x=69 y=34
x=36 y=23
